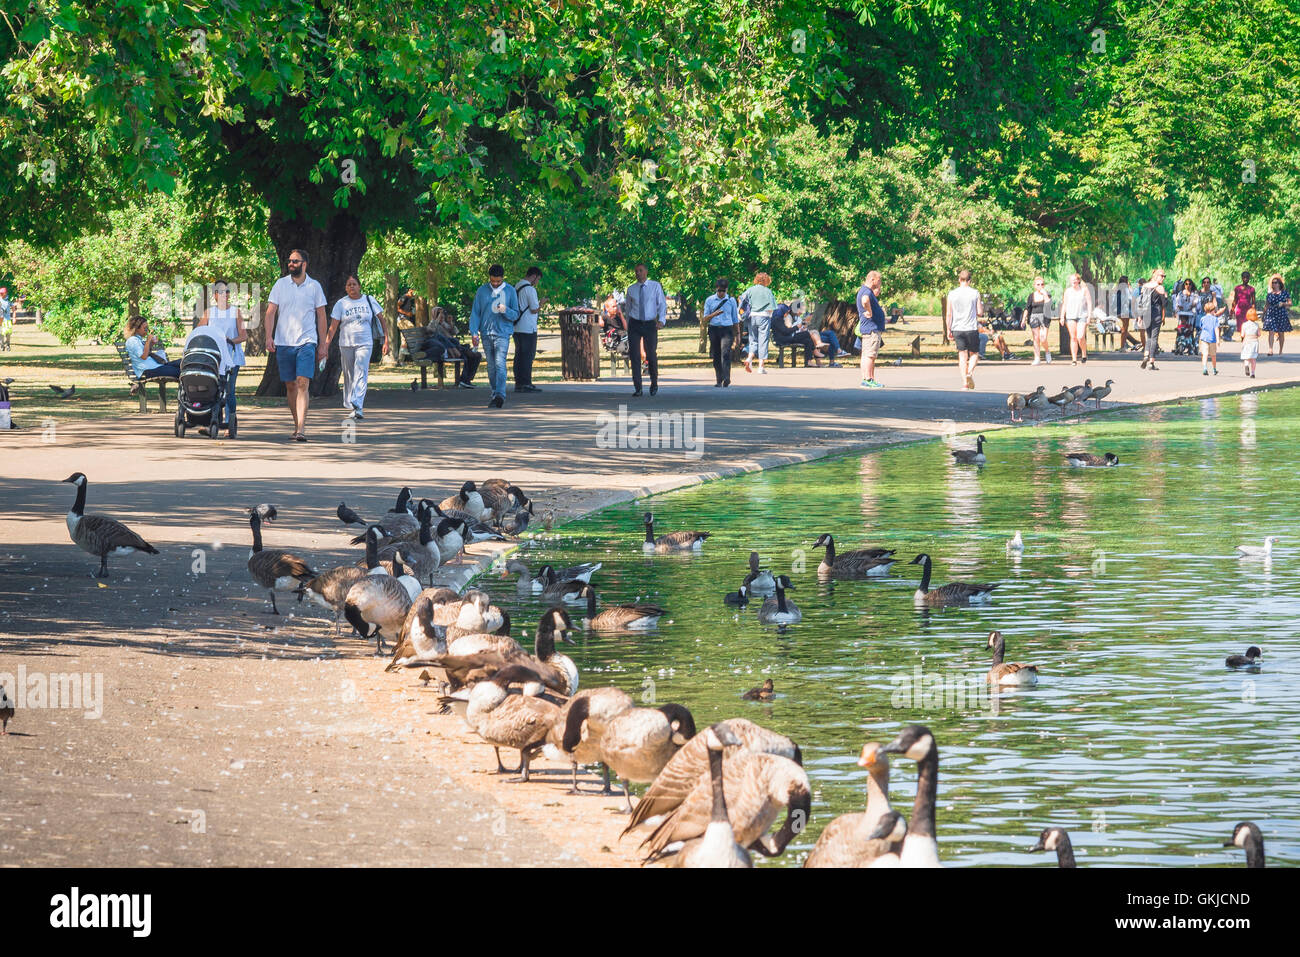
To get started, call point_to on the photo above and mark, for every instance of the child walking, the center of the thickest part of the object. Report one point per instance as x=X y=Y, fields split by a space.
x=1249 y=343
x=1209 y=328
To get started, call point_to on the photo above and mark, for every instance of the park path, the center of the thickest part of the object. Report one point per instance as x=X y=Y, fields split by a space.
x=228 y=737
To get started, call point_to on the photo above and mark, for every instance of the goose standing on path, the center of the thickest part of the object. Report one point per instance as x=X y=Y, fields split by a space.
x=1249 y=660
x=449 y=539
x=274 y=569
x=1015 y=402
x=673 y=541
x=6 y=710
x=846 y=841
x=920 y=848
x=718 y=847
x=638 y=742
x=1256 y=551
x=859 y=563
x=1037 y=402
x=973 y=456
x=467 y=500
x=1090 y=460
x=506 y=720
x=1082 y=393
x=401 y=518
x=1248 y=837
x=953 y=593
x=759 y=582
x=1062 y=398
x=575 y=735
x=638 y=617
x=1056 y=839
x=377 y=605
x=1016 y=675
x=779 y=610
x=98 y=534
x=1101 y=392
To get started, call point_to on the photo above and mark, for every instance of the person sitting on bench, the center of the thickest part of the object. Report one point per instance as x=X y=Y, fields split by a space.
x=789 y=329
x=148 y=361
x=442 y=330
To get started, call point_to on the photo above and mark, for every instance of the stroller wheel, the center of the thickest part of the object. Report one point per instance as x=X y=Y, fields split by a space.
x=180 y=425
x=214 y=429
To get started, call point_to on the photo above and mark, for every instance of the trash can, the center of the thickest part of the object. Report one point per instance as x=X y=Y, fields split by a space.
x=579 y=344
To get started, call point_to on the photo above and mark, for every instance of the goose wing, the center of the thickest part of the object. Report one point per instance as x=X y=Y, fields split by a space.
x=1085 y=458
x=620 y=615
x=332 y=585
x=962 y=591
x=964 y=455
x=269 y=566
x=862 y=560
x=101 y=534
x=681 y=539
x=518 y=722
x=846 y=842
x=998 y=672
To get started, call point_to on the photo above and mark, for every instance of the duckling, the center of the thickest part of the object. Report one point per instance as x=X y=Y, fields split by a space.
x=1247 y=836
x=718 y=846
x=1056 y=839
x=100 y=535
x=673 y=541
x=1102 y=391
x=759 y=582
x=920 y=849
x=738 y=598
x=1249 y=660
x=1015 y=402
x=1016 y=543
x=953 y=593
x=6 y=710
x=1255 y=551
x=765 y=692
x=1088 y=460
x=846 y=841
x=778 y=610
x=275 y=569
x=1025 y=676
x=638 y=617
x=859 y=563
x=973 y=456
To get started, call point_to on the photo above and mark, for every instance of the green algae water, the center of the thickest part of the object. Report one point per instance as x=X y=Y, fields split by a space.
x=1128 y=596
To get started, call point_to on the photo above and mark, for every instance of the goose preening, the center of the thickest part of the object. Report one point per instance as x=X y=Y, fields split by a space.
x=449 y=538
x=847 y=841
x=920 y=849
x=575 y=735
x=718 y=846
x=526 y=582
x=401 y=518
x=561 y=590
x=1248 y=551
x=1016 y=402
x=377 y=604
x=758 y=787
x=1100 y=392
x=501 y=498
x=1056 y=839
x=1090 y=460
x=680 y=775
x=764 y=692
x=673 y=541
x=779 y=610
x=1249 y=660
x=1024 y=676
x=738 y=598
x=1248 y=837
x=100 y=535
x=973 y=456
x=1016 y=543
x=6 y=710
x=506 y=720
x=859 y=563
x=478 y=657
x=637 y=743
x=468 y=500
x=637 y=617
x=274 y=569
x=953 y=593
x=759 y=581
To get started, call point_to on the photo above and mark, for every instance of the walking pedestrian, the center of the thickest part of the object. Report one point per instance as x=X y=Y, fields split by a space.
x=1277 y=317
x=496 y=307
x=1038 y=317
x=760 y=304
x=1076 y=307
x=1208 y=324
x=295 y=335
x=530 y=306
x=1153 y=300
x=6 y=320
x=357 y=320
x=963 y=323
x=646 y=309
x=1243 y=300
x=227 y=321
x=871 y=327
x=1123 y=306
x=1250 y=343
x=724 y=320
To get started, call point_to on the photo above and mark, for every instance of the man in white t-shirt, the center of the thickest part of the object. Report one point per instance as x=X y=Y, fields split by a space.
x=295 y=336
x=964 y=310
x=525 y=335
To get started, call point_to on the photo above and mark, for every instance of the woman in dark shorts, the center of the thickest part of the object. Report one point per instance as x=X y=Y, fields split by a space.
x=1038 y=318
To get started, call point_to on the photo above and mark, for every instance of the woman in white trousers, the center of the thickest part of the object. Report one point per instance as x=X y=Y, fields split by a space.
x=352 y=319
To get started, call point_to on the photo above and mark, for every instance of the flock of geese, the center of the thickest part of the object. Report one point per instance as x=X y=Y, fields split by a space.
x=713 y=795
x=1038 y=400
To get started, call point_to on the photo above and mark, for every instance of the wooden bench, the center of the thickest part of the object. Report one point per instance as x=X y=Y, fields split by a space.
x=413 y=339
x=139 y=384
x=1104 y=330
x=796 y=350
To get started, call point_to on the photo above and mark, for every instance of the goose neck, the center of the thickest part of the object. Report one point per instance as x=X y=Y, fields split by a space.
x=927 y=790
x=719 y=814
x=79 y=506
x=256 y=524
x=1065 y=852
x=925 y=574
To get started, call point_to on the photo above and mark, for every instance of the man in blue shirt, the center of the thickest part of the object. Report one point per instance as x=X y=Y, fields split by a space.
x=646 y=310
x=723 y=319
x=496 y=309
x=871 y=327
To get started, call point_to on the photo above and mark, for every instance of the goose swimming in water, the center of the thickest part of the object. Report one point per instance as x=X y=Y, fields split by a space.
x=920 y=848
x=673 y=541
x=1025 y=676
x=1249 y=660
x=1256 y=551
x=738 y=598
x=1089 y=460
x=637 y=617
x=779 y=610
x=765 y=692
x=1248 y=837
x=953 y=593
x=1016 y=544
x=759 y=582
x=859 y=563
x=1056 y=839
x=973 y=456
x=98 y=534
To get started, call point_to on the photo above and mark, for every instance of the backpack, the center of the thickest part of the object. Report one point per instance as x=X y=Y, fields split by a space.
x=1144 y=305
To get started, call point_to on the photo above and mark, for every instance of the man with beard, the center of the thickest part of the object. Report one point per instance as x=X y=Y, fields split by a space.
x=295 y=336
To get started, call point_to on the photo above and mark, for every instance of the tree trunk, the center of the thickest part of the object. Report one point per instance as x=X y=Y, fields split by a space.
x=332 y=253
x=391 y=292
x=704 y=334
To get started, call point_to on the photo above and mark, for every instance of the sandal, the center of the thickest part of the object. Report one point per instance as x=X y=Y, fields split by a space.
x=300 y=437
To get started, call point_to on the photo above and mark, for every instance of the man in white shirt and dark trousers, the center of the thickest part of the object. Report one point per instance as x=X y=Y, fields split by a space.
x=525 y=335
x=964 y=310
x=295 y=336
x=646 y=310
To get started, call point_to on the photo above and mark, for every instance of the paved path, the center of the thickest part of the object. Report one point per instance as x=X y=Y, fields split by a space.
x=228 y=737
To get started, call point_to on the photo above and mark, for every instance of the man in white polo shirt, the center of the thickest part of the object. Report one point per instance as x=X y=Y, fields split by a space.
x=295 y=335
x=964 y=310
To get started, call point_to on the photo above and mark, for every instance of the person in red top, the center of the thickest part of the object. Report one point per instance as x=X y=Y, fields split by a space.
x=1243 y=300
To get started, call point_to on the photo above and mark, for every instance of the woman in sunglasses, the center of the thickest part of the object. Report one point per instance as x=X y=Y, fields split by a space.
x=1038 y=316
x=227 y=321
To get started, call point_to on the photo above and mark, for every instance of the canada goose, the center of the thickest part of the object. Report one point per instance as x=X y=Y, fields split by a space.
x=376 y=607
x=507 y=720
x=920 y=849
x=401 y=518
x=6 y=710
x=739 y=597
x=718 y=847
x=421 y=642
x=1062 y=398
x=759 y=581
x=1037 y=401
x=429 y=631
x=1249 y=660
x=501 y=500
x=527 y=582
x=638 y=617
x=558 y=590
x=275 y=570
x=684 y=769
x=449 y=538
x=1015 y=402
x=765 y=692
x=637 y=743
x=465 y=668
x=421 y=562
x=973 y=456
x=859 y=563
x=98 y=534
x=1016 y=544
x=1088 y=460
x=348 y=517
x=1098 y=394
x=1025 y=676
x=1056 y=839
x=758 y=786
x=575 y=735
x=778 y=610
x=516 y=522
x=329 y=589
x=1244 y=551
x=467 y=500
x=549 y=663
x=953 y=593
x=1247 y=836
x=846 y=841
x=1082 y=393
x=673 y=541
x=888 y=839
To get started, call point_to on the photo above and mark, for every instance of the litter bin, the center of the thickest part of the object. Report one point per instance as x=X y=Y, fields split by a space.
x=579 y=344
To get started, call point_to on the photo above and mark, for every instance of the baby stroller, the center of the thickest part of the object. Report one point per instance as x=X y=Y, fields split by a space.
x=202 y=399
x=615 y=341
x=1187 y=338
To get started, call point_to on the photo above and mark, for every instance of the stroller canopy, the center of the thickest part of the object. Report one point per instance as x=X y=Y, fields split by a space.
x=204 y=338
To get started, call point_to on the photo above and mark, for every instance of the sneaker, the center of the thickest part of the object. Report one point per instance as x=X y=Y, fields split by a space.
x=531 y=388
x=841 y=354
x=1216 y=371
x=1049 y=358
x=1037 y=361
x=833 y=365
x=1204 y=371
x=872 y=384
x=1145 y=360
x=465 y=385
x=360 y=414
x=352 y=413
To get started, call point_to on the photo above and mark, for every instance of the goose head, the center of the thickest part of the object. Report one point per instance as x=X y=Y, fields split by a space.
x=753 y=562
x=892 y=827
x=681 y=721
x=719 y=736
x=557 y=621
x=823 y=541
x=403 y=500
x=1253 y=652
x=1244 y=834
x=979 y=442
x=873 y=756
x=915 y=742
x=922 y=559
x=783 y=582
x=1051 y=839
x=649 y=518
x=76 y=478
x=1271 y=541
x=1112 y=458
x=995 y=640
x=517 y=567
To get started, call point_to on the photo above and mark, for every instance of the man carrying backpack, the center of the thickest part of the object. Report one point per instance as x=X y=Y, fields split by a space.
x=525 y=334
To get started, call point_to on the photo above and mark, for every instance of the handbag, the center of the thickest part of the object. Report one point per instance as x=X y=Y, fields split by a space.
x=377 y=330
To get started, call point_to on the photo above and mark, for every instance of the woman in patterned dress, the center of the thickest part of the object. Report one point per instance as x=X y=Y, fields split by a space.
x=1276 y=318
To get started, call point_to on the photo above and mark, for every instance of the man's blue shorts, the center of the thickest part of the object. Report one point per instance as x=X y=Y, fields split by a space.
x=296 y=361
